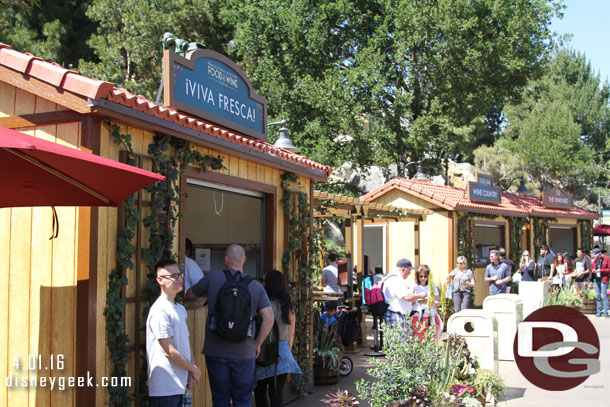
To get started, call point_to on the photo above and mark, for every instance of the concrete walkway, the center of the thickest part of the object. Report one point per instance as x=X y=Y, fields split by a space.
x=593 y=392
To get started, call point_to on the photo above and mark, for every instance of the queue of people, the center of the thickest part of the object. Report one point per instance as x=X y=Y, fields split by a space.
x=232 y=372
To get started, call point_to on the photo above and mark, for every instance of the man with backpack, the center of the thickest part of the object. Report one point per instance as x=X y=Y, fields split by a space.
x=399 y=299
x=230 y=346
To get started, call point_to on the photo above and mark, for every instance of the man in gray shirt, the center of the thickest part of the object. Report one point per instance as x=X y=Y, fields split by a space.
x=497 y=274
x=231 y=364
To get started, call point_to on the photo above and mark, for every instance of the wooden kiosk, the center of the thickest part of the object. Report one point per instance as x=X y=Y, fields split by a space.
x=55 y=294
x=474 y=220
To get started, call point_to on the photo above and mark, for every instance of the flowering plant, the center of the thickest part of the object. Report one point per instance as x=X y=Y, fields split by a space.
x=463 y=390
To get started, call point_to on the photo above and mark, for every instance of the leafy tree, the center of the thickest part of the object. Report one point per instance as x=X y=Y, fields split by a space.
x=390 y=81
x=560 y=129
x=128 y=39
x=53 y=30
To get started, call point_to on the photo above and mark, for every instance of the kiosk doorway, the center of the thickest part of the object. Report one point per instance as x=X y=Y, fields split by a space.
x=218 y=216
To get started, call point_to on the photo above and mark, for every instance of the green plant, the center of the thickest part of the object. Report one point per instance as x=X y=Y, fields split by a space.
x=443 y=377
x=488 y=383
x=340 y=399
x=410 y=363
x=117 y=339
x=297 y=263
x=466 y=363
x=326 y=345
x=566 y=296
x=471 y=402
x=591 y=295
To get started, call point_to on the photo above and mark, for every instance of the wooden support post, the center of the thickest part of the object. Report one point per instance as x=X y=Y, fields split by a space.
x=416 y=243
x=360 y=272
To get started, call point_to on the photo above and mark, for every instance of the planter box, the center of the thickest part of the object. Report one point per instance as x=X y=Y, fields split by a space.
x=323 y=376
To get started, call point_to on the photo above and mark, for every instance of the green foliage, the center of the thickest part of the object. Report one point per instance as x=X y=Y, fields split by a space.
x=398 y=80
x=298 y=267
x=566 y=296
x=515 y=231
x=558 y=133
x=53 y=30
x=117 y=339
x=465 y=234
x=410 y=366
x=326 y=344
x=488 y=383
x=541 y=231
x=127 y=42
x=585 y=226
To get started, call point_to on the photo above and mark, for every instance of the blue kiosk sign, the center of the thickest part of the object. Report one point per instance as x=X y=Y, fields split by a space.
x=483 y=190
x=211 y=86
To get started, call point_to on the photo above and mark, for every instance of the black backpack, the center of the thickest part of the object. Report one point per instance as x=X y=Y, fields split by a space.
x=232 y=313
x=270 y=348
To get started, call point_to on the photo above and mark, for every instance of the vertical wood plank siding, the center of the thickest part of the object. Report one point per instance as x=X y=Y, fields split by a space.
x=39 y=300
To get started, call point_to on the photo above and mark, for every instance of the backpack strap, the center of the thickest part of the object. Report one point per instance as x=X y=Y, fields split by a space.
x=243 y=276
x=384 y=279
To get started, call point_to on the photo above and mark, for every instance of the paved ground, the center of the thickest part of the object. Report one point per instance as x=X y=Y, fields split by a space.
x=520 y=393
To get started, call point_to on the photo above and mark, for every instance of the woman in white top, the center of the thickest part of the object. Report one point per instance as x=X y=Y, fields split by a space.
x=420 y=313
x=559 y=271
x=463 y=282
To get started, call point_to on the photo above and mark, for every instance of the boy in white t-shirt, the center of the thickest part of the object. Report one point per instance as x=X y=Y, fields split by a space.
x=168 y=349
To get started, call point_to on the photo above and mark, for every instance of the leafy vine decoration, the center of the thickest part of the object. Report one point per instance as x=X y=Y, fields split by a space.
x=515 y=234
x=117 y=339
x=586 y=234
x=541 y=231
x=300 y=240
x=465 y=234
x=170 y=157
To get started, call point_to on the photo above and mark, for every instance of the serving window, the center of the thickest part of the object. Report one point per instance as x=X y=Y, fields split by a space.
x=488 y=236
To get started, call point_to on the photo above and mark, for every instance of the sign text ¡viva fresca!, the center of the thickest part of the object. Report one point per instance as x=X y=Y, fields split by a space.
x=200 y=92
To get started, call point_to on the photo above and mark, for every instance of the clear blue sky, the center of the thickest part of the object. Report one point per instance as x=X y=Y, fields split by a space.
x=589 y=23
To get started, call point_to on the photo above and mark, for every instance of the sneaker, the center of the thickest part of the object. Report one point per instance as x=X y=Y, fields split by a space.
x=604 y=315
x=599 y=315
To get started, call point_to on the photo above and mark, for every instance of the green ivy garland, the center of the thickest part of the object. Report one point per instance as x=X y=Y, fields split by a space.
x=300 y=239
x=541 y=229
x=170 y=157
x=117 y=339
x=515 y=233
x=465 y=234
x=586 y=234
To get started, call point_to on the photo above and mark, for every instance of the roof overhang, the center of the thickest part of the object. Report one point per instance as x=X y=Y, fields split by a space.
x=149 y=122
x=329 y=205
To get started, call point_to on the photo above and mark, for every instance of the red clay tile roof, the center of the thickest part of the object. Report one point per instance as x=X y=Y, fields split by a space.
x=74 y=82
x=452 y=198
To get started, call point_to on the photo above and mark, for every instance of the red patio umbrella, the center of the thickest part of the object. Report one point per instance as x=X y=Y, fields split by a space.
x=601 y=230
x=36 y=172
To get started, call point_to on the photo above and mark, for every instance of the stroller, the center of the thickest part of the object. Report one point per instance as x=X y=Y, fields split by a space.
x=348 y=329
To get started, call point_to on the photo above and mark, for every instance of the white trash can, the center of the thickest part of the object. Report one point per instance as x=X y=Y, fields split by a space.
x=508 y=311
x=480 y=330
x=532 y=294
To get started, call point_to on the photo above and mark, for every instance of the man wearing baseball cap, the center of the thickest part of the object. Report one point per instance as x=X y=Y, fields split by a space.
x=600 y=270
x=396 y=295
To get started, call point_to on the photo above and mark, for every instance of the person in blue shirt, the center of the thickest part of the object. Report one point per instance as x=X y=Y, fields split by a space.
x=328 y=317
x=497 y=274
